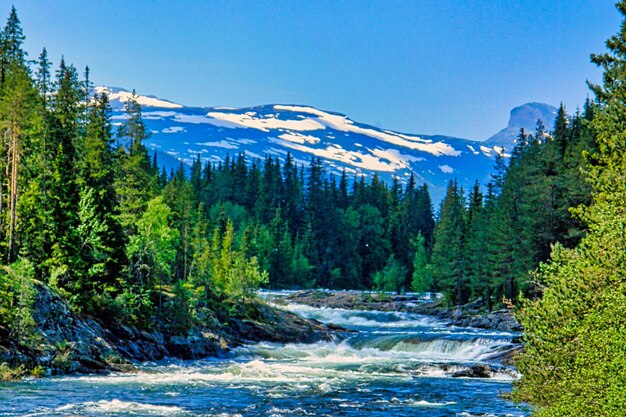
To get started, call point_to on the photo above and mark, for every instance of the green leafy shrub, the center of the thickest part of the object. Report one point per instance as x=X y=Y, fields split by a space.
x=391 y=278
x=38 y=371
x=17 y=295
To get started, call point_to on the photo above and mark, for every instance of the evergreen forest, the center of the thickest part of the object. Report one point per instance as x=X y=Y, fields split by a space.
x=86 y=210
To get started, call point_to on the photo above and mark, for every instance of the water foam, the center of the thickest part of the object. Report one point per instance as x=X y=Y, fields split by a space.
x=115 y=406
x=416 y=403
x=364 y=318
x=475 y=349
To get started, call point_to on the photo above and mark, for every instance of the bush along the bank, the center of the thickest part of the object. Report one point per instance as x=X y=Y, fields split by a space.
x=575 y=334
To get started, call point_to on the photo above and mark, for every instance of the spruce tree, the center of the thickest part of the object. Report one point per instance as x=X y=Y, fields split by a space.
x=135 y=180
x=422 y=277
x=65 y=260
x=11 y=40
x=447 y=255
x=101 y=235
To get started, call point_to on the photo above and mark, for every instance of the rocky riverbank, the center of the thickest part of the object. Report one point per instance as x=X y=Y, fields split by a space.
x=470 y=315
x=68 y=343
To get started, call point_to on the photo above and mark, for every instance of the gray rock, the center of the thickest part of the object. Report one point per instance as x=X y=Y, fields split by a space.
x=476 y=371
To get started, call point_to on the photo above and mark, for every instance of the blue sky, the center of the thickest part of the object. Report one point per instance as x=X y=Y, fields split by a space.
x=419 y=66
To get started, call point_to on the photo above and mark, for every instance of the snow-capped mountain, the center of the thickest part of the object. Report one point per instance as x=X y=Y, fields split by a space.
x=181 y=133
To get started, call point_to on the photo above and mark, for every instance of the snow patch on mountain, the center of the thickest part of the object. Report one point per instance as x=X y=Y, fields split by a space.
x=388 y=160
x=121 y=95
x=446 y=169
x=299 y=138
x=249 y=120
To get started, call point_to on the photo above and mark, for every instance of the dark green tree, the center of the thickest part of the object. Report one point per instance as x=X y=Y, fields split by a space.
x=135 y=179
x=422 y=278
x=102 y=240
x=65 y=261
x=447 y=256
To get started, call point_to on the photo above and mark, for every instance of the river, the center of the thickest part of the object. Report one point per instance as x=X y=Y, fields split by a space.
x=390 y=364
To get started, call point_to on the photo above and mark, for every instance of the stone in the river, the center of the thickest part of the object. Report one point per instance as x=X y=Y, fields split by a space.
x=475 y=371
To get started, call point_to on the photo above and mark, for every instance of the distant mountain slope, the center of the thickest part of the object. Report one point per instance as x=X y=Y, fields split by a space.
x=181 y=133
x=524 y=116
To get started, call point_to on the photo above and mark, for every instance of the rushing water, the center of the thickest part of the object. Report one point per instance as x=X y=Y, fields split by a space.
x=394 y=364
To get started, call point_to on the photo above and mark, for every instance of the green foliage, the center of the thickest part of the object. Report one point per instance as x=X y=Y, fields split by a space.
x=233 y=275
x=153 y=249
x=100 y=234
x=373 y=248
x=485 y=248
x=95 y=253
x=244 y=277
x=422 y=278
x=17 y=297
x=38 y=372
x=19 y=123
x=63 y=356
x=179 y=310
x=447 y=257
x=575 y=335
x=135 y=182
x=9 y=373
x=391 y=277
x=64 y=261
x=134 y=306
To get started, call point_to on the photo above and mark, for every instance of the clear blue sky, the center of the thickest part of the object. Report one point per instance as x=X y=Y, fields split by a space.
x=420 y=66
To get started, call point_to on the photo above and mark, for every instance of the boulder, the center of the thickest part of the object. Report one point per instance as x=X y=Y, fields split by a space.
x=475 y=371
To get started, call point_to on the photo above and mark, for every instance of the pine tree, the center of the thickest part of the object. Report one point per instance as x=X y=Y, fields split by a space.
x=576 y=190
x=373 y=248
x=43 y=75
x=422 y=277
x=477 y=244
x=178 y=194
x=18 y=121
x=135 y=179
x=65 y=261
x=36 y=200
x=102 y=239
x=293 y=198
x=447 y=255
x=347 y=247
x=16 y=116
x=11 y=40
x=421 y=218
x=561 y=132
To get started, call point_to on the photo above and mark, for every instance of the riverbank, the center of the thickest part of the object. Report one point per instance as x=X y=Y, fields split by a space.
x=384 y=364
x=67 y=343
x=470 y=315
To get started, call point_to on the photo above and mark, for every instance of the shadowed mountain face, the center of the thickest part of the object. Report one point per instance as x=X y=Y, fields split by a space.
x=524 y=116
x=182 y=134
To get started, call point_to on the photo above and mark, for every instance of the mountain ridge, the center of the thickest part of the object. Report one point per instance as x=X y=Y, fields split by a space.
x=182 y=134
